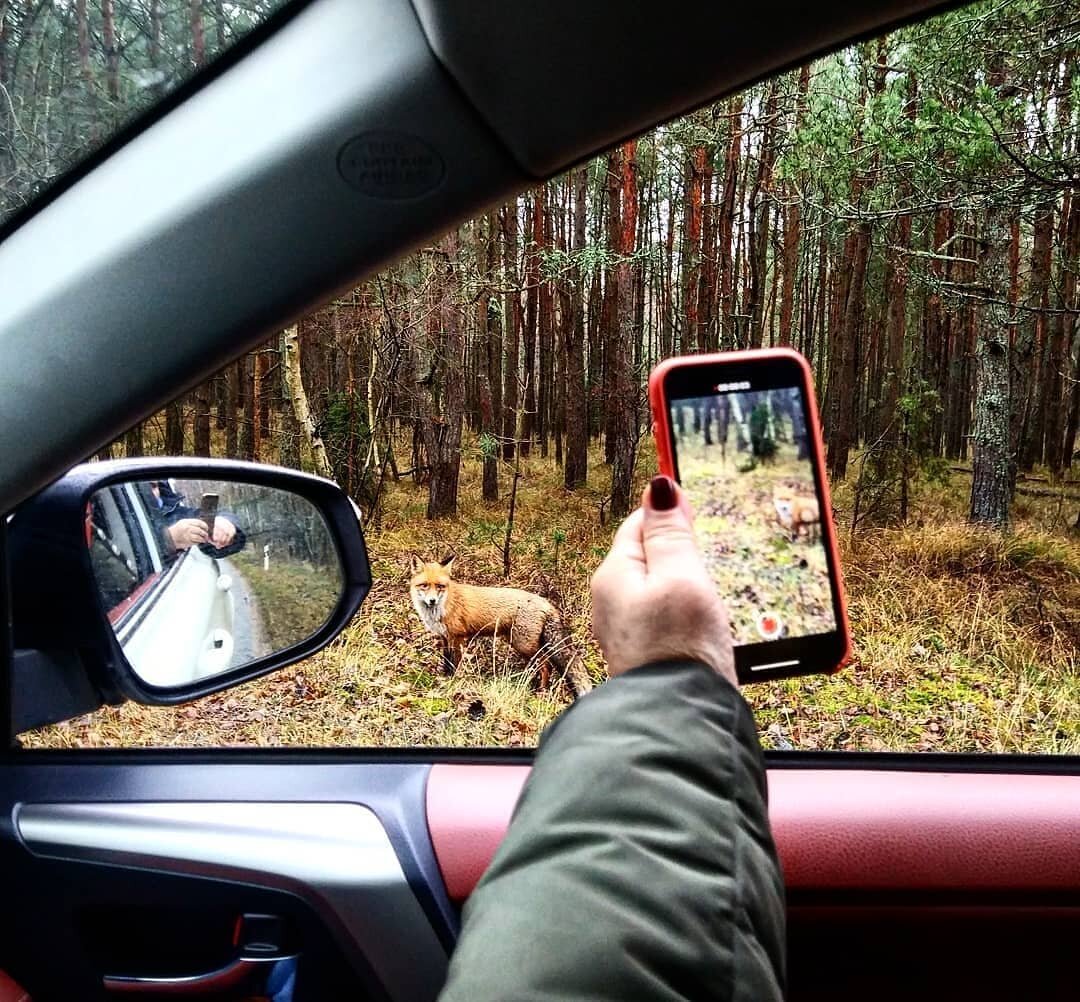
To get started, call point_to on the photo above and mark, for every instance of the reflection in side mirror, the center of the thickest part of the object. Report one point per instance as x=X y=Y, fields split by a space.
x=200 y=577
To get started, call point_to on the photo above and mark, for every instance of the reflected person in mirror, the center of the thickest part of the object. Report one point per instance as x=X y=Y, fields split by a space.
x=639 y=863
x=182 y=527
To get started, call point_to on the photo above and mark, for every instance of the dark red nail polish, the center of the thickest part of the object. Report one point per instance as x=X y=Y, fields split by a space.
x=662 y=493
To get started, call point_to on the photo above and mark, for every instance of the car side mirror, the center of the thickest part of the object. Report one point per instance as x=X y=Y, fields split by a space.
x=166 y=580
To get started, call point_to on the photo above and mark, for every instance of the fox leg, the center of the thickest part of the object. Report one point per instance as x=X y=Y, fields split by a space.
x=451 y=657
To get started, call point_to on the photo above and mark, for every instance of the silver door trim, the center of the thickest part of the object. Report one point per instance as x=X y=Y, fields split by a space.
x=337 y=857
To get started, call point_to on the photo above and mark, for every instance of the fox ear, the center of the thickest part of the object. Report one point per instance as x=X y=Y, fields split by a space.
x=417 y=564
x=448 y=562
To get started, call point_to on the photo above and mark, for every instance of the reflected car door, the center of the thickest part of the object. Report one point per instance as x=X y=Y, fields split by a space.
x=172 y=610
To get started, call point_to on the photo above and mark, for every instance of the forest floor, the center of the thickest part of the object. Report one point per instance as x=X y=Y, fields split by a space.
x=965 y=640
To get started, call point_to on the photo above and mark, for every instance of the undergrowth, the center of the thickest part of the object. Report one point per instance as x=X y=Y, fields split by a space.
x=965 y=640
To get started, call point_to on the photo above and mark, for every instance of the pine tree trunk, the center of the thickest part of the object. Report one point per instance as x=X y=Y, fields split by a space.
x=232 y=383
x=443 y=430
x=198 y=36
x=289 y=431
x=609 y=321
x=842 y=400
x=546 y=337
x=1027 y=355
x=691 y=250
x=513 y=320
x=726 y=224
x=759 y=212
x=1062 y=406
x=792 y=229
x=292 y=371
x=112 y=53
x=83 y=32
x=895 y=330
x=993 y=462
x=262 y=376
x=532 y=299
x=577 y=431
x=623 y=406
x=202 y=420
x=489 y=371
x=174 y=428
x=133 y=441
x=249 y=446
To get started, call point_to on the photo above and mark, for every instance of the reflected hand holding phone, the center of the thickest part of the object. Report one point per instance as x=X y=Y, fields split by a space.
x=183 y=578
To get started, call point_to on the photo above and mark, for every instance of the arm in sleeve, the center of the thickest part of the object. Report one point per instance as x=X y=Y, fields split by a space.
x=639 y=862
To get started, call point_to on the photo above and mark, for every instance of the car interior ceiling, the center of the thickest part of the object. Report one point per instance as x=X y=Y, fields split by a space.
x=227 y=217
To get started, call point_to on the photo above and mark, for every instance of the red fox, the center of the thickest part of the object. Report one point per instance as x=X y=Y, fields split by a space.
x=457 y=612
x=797 y=513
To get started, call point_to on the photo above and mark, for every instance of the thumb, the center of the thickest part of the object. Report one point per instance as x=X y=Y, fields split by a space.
x=667 y=532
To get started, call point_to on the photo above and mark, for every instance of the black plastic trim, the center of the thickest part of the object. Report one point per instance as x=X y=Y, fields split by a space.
x=394 y=791
x=935 y=762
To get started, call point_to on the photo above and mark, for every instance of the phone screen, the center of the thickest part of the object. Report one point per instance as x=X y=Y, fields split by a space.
x=208 y=511
x=743 y=454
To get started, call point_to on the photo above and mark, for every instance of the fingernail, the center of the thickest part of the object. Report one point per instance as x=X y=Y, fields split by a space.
x=662 y=493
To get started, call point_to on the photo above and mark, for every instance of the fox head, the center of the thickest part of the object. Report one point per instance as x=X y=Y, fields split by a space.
x=428 y=586
x=782 y=500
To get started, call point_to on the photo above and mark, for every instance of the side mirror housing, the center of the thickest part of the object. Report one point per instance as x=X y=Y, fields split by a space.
x=165 y=580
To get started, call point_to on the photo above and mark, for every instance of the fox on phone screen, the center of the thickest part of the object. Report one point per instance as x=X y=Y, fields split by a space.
x=456 y=612
x=799 y=514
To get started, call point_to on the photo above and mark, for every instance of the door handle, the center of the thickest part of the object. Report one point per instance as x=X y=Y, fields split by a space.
x=259 y=979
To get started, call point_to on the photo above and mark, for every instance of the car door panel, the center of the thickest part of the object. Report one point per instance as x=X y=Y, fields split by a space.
x=898 y=880
x=103 y=848
x=837 y=830
x=122 y=868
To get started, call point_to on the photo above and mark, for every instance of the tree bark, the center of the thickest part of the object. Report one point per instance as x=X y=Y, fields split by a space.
x=532 y=299
x=489 y=371
x=623 y=405
x=993 y=462
x=443 y=426
x=232 y=377
x=513 y=322
x=577 y=431
x=292 y=366
x=726 y=224
x=249 y=446
x=609 y=319
x=202 y=420
x=691 y=249
x=112 y=53
x=174 y=428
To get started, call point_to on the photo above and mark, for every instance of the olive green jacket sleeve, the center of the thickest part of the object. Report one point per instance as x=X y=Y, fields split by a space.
x=639 y=863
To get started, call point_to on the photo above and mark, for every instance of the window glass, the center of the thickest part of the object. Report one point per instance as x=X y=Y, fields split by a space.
x=903 y=212
x=72 y=73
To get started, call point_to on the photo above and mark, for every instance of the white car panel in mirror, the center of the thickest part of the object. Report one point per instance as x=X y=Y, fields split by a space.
x=184 y=574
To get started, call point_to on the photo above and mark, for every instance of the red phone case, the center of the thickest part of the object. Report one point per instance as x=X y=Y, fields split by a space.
x=662 y=435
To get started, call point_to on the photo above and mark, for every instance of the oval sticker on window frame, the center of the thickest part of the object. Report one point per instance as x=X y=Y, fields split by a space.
x=390 y=165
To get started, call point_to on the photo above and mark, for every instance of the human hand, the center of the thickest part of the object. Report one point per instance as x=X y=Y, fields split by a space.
x=188 y=532
x=653 y=599
x=224 y=533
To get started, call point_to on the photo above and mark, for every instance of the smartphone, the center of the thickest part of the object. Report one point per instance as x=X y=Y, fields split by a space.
x=208 y=512
x=740 y=432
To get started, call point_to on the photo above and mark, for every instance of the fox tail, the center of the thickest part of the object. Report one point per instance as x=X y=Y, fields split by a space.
x=558 y=648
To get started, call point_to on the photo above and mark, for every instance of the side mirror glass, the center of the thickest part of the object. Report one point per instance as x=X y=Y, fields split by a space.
x=200 y=577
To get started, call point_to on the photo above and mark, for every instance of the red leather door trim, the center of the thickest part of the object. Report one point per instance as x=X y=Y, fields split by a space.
x=836 y=830
x=468 y=811
x=11 y=992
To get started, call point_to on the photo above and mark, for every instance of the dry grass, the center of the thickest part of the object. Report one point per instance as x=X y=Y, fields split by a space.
x=964 y=640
